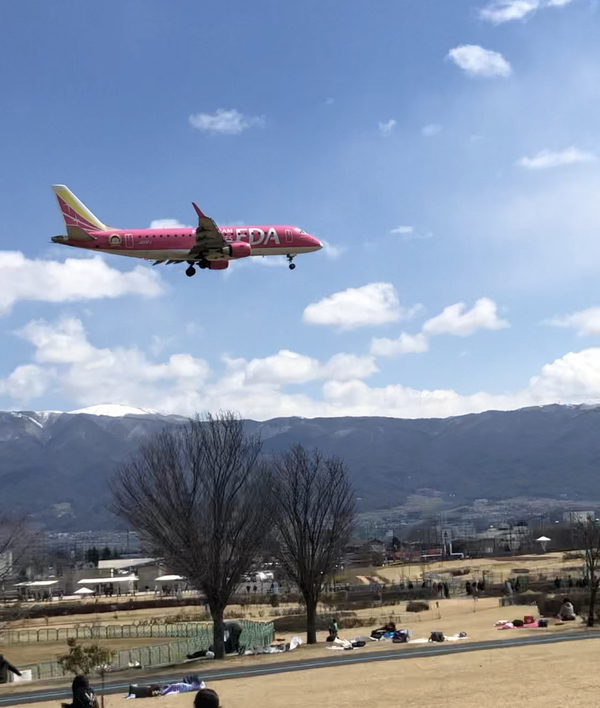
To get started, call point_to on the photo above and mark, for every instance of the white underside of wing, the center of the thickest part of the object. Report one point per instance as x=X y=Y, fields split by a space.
x=184 y=255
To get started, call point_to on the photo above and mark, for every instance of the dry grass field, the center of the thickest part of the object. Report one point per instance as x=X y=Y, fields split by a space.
x=528 y=677
x=455 y=615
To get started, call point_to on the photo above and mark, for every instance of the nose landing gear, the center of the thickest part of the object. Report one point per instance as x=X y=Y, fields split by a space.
x=290 y=258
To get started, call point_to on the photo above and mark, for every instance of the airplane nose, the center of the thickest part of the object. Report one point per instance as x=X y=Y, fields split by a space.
x=316 y=243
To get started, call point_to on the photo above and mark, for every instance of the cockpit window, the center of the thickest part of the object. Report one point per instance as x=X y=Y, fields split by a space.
x=301 y=231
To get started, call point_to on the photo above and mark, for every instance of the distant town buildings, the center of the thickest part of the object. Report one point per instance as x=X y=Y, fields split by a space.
x=575 y=517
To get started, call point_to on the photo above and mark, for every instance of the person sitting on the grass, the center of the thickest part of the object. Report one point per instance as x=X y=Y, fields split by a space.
x=83 y=694
x=567 y=611
x=382 y=631
x=206 y=698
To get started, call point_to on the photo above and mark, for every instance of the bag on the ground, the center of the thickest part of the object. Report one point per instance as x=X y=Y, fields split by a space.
x=437 y=637
x=400 y=637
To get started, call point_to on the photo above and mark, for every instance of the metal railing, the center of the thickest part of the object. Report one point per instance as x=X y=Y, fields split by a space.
x=253 y=634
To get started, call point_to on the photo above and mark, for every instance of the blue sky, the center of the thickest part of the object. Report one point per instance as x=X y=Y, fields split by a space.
x=447 y=152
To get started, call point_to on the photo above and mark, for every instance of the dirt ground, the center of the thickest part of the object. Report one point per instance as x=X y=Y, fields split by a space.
x=22 y=654
x=548 y=562
x=254 y=612
x=527 y=677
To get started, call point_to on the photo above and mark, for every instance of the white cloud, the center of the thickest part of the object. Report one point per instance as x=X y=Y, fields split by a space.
x=500 y=11
x=356 y=398
x=349 y=367
x=574 y=378
x=90 y=376
x=549 y=158
x=456 y=320
x=285 y=367
x=63 y=343
x=477 y=61
x=405 y=344
x=87 y=375
x=369 y=305
x=386 y=128
x=26 y=382
x=409 y=233
x=428 y=131
x=586 y=322
x=452 y=320
x=332 y=252
x=167 y=224
x=226 y=122
x=22 y=278
x=507 y=10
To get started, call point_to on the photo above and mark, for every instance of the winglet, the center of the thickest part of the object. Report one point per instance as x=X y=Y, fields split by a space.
x=197 y=208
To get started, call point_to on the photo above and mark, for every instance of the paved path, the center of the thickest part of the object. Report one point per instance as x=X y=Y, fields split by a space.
x=342 y=658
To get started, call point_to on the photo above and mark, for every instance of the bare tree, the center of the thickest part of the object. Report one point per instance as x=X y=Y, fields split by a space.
x=16 y=540
x=200 y=497
x=587 y=534
x=313 y=521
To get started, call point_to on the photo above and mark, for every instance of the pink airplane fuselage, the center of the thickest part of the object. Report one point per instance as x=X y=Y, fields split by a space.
x=175 y=243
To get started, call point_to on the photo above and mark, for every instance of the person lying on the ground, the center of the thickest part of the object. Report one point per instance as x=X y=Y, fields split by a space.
x=189 y=683
x=5 y=667
x=567 y=611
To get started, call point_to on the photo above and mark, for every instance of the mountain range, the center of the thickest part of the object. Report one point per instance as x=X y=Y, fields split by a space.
x=57 y=465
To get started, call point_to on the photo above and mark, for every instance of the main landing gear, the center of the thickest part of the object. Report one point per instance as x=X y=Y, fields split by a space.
x=290 y=258
x=190 y=271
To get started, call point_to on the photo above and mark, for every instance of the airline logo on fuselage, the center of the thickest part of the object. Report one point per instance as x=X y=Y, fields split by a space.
x=254 y=236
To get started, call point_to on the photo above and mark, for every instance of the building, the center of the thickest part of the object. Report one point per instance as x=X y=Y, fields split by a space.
x=118 y=576
x=578 y=517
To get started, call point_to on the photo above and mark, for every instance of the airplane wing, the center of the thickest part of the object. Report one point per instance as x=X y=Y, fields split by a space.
x=208 y=236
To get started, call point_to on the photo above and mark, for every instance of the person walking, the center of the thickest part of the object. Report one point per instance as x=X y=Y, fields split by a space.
x=5 y=667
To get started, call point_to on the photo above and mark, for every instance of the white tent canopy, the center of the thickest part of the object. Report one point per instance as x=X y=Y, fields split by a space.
x=109 y=580
x=84 y=591
x=37 y=584
x=543 y=541
x=168 y=578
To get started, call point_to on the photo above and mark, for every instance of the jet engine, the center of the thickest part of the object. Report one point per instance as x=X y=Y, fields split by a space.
x=239 y=249
x=218 y=265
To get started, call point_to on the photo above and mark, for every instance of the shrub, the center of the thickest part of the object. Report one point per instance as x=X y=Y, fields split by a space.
x=417 y=606
x=85 y=659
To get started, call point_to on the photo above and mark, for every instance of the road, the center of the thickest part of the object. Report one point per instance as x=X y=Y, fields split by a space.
x=334 y=659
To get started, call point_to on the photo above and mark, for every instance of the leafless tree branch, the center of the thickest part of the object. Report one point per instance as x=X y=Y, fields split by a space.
x=201 y=497
x=313 y=523
x=16 y=539
x=588 y=535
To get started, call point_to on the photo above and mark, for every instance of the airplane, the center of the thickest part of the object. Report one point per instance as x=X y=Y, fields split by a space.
x=207 y=246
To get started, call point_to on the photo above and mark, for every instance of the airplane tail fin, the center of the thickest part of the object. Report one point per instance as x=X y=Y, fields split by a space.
x=78 y=218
